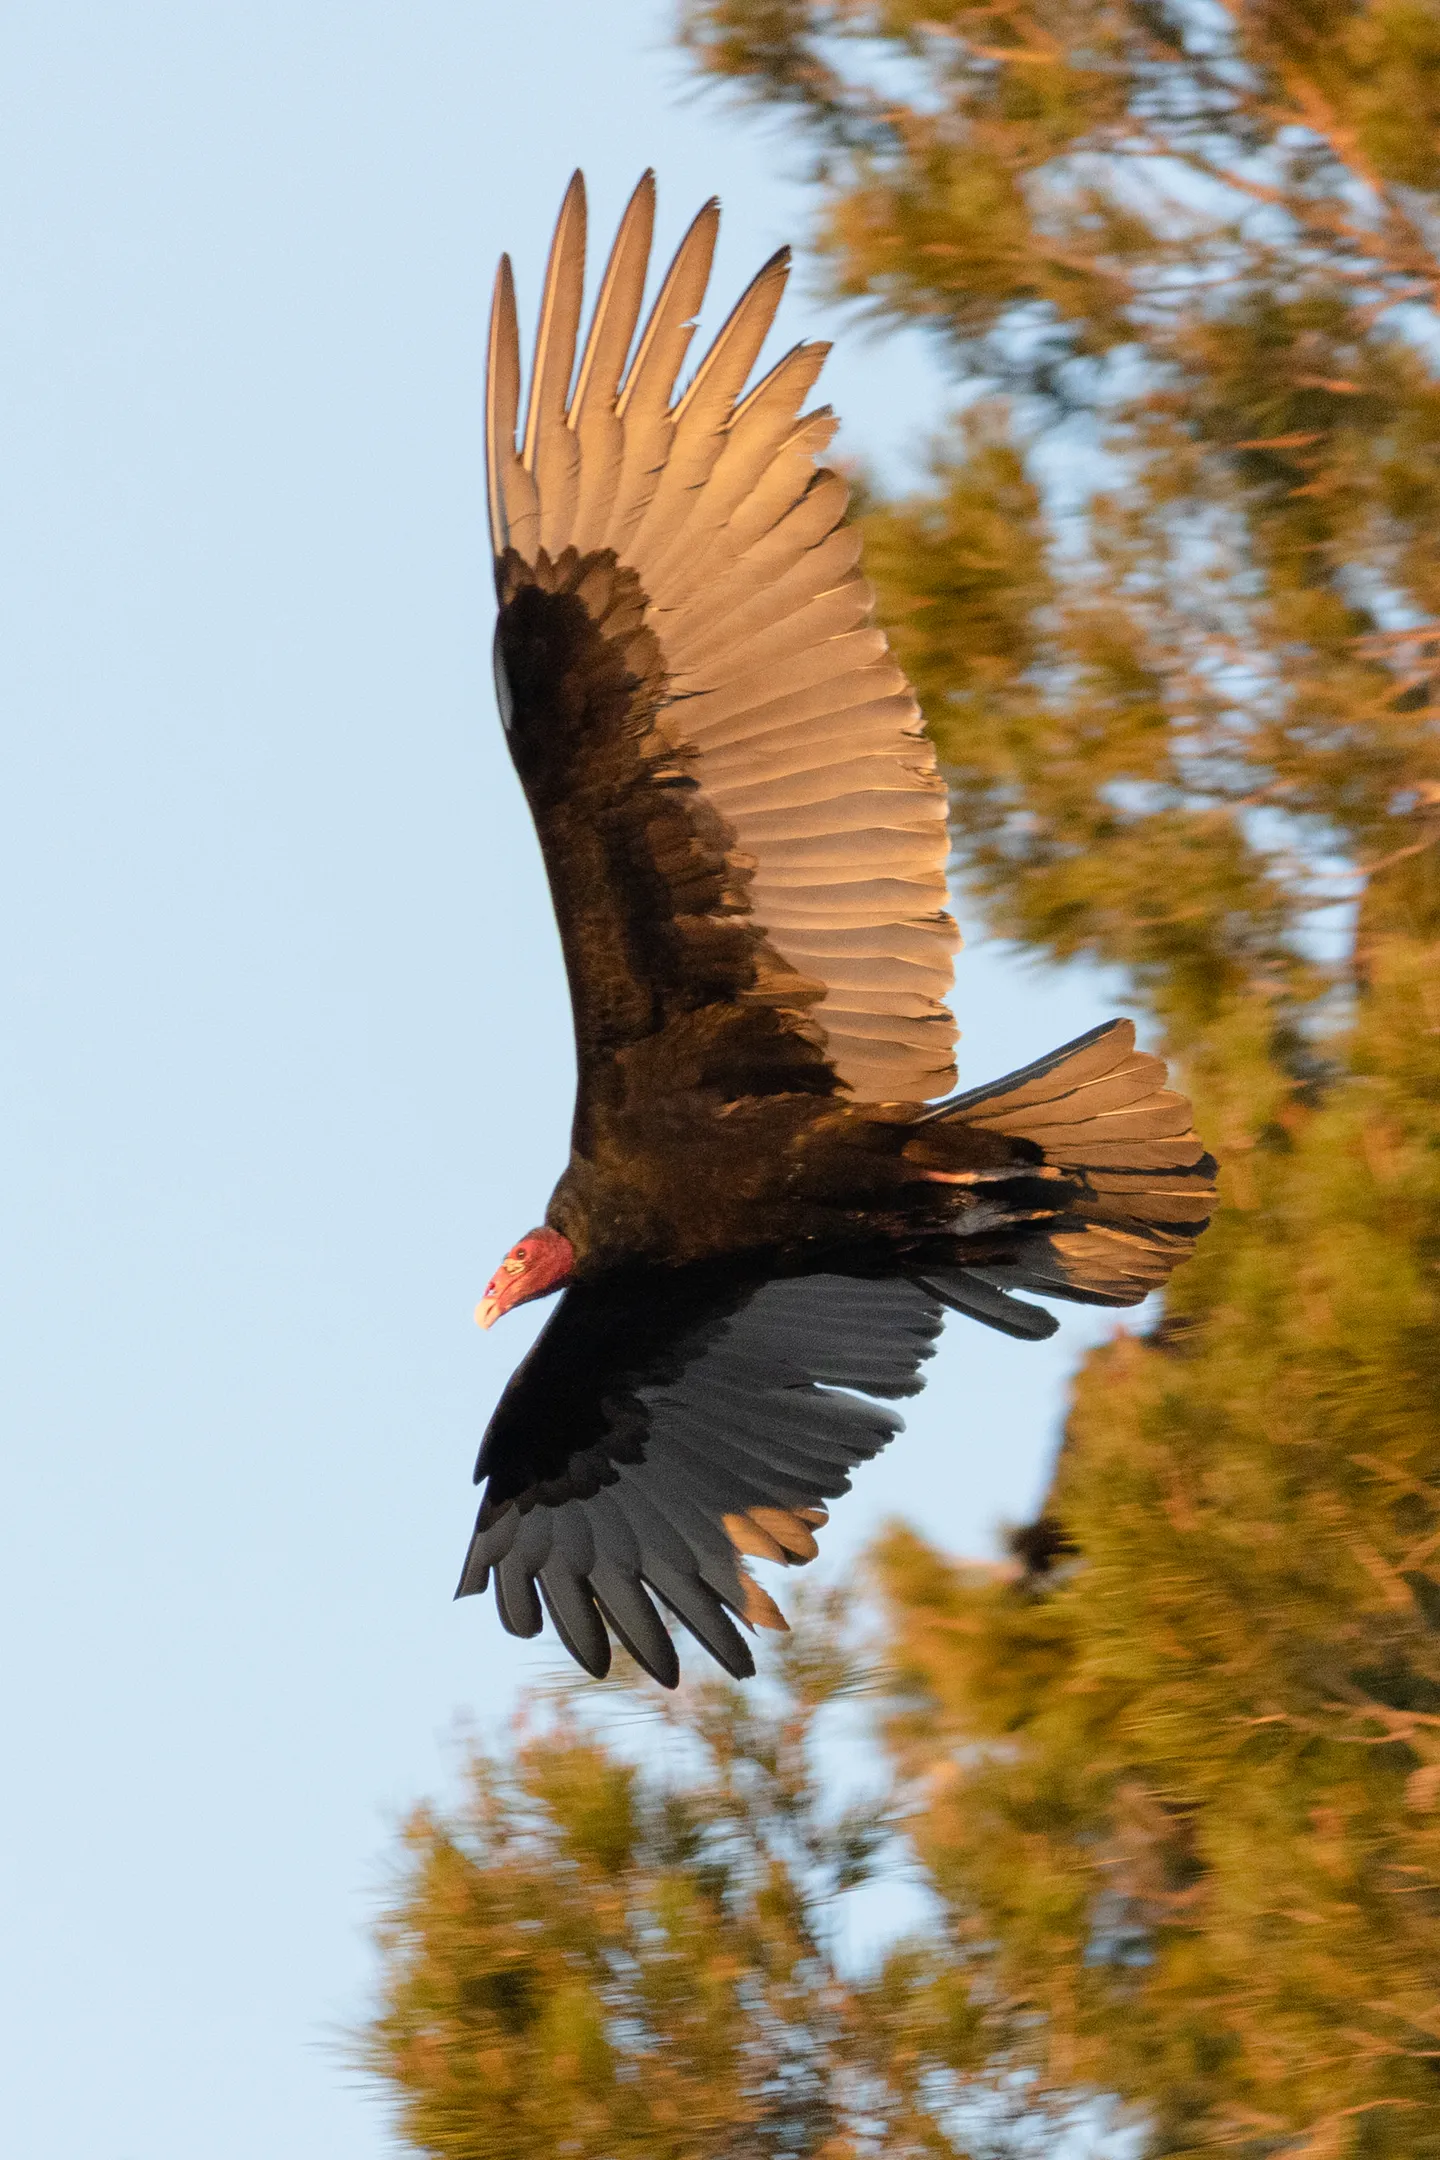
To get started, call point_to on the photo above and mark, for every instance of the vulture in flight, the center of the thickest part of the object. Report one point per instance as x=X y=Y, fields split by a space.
x=773 y=1196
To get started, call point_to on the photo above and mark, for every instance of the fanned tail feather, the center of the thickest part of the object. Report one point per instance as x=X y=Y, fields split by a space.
x=1135 y=1184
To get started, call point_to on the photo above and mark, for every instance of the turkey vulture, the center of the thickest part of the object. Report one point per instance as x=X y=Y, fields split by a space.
x=766 y=1210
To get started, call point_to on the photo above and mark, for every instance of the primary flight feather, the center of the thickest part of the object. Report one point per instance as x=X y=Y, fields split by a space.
x=766 y=1210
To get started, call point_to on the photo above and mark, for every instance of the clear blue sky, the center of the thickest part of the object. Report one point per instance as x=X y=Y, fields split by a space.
x=286 y=1060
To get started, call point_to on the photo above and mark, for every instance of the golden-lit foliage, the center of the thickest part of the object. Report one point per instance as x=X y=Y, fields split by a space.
x=1186 y=1785
x=1162 y=599
x=1172 y=602
x=589 y=1958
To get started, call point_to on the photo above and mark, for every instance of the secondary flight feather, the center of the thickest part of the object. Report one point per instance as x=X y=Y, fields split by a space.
x=766 y=1211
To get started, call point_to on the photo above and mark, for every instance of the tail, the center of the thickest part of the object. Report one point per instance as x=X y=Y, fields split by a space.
x=1124 y=1185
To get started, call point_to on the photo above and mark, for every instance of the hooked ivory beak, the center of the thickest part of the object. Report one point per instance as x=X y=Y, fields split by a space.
x=540 y=1262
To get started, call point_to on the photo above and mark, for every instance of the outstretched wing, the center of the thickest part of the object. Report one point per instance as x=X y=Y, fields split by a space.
x=741 y=817
x=667 y=1425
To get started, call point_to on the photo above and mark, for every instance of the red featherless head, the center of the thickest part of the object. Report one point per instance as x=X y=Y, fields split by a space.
x=540 y=1262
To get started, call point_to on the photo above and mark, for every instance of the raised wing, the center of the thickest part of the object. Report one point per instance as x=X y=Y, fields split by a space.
x=665 y=1426
x=741 y=817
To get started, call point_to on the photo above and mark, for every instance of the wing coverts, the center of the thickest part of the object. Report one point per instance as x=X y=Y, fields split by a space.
x=780 y=696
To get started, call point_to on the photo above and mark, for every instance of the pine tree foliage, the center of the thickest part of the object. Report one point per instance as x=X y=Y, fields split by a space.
x=591 y=1958
x=1193 y=244
x=1172 y=602
x=1183 y=1776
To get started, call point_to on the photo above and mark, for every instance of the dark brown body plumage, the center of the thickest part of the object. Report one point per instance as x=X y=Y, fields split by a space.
x=694 y=1094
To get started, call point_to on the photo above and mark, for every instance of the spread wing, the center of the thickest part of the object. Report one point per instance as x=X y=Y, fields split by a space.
x=663 y=1427
x=741 y=817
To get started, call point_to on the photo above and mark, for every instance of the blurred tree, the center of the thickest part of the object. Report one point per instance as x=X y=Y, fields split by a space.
x=1172 y=602
x=595 y=1959
x=1183 y=1774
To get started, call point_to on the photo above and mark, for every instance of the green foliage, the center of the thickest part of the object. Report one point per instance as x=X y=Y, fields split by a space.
x=1172 y=602
x=1187 y=1786
x=591 y=1959
x=1162 y=234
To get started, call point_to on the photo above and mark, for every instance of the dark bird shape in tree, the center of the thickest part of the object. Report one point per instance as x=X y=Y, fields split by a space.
x=766 y=1211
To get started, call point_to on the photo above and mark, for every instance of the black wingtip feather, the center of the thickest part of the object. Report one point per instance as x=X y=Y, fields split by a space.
x=517 y=1599
x=663 y=1665
x=718 y=1633
x=474 y=1581
x=578 y=1623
